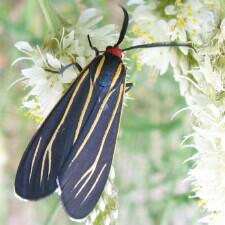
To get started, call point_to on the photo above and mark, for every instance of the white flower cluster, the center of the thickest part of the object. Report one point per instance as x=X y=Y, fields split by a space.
x=47 y=87
x=208 y=107
x=202 y=82
x=191 y=20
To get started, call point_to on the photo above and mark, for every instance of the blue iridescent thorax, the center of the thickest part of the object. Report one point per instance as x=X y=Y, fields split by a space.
x=109 y=69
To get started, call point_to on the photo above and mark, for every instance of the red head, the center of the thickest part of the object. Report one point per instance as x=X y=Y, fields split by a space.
x=114 y=51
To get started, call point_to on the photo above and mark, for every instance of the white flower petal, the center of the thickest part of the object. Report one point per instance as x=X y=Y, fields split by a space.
x=87 y=15
x=24 y=46
x=81 y=60
x=54 y=62
x=68 y=39
x=30 y=104
x=92 y=23
x=135 y=2
x=170 y=10
x=34 y=72
x=101 y=204
x=107 y=220
x=69 y=75
x=222 y=27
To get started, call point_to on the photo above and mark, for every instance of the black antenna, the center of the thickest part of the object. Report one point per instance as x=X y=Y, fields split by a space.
x=160 y=44
x=124 y=27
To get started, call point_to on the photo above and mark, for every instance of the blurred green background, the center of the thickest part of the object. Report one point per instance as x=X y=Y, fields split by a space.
x=148 y=158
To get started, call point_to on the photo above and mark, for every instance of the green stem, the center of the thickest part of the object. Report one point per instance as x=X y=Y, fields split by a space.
x=53 y=213
x=53 y=20
x=222 y=6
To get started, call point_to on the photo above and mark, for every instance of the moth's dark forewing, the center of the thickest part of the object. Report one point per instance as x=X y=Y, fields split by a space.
x=82 y=106
x=83 y=178
x=41 y=162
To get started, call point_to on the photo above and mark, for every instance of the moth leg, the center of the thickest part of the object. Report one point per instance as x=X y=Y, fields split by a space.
x=92 y=47
x=77 y=65
x=129 y=86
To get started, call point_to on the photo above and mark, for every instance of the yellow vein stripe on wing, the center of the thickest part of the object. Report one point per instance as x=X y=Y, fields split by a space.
x=95 y=183
x=93 y=126
x=99 y=68
x=115 y=78
x=34 y=158
x=43 y=165
x=92 y=168
x=116 y=75
x=87 y=101
x=73 y=95
x=49 y=146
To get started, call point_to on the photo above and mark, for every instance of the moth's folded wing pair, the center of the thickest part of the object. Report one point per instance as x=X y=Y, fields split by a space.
x=88 y=125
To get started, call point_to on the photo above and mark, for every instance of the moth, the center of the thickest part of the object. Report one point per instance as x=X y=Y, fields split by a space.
x=73 y=148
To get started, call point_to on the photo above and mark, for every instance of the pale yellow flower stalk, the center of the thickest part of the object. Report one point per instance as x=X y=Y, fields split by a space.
x=208 y=106
x=46 y=88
